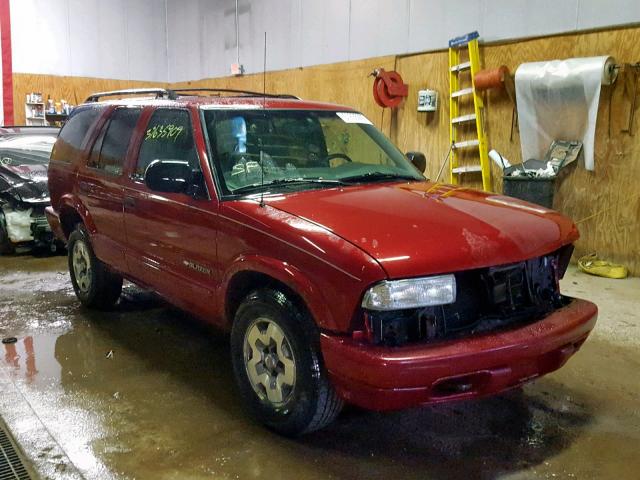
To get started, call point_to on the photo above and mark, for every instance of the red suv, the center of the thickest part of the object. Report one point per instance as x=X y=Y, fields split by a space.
x=342 y=273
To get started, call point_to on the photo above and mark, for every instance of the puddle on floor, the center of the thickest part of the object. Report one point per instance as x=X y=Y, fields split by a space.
x=145 y=391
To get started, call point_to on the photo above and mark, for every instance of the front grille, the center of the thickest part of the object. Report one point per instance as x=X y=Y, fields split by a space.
x=11 y=466
x=486 y=300
x=39 y=223
x=40 y=230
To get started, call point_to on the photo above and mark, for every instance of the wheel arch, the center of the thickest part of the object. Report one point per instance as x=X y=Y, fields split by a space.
x=251 y=273
x=72 y=212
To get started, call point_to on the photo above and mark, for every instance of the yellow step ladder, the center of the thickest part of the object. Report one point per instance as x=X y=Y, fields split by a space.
x=460 y=87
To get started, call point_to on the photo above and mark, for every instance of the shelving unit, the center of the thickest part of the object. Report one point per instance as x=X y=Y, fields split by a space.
x=34 y=113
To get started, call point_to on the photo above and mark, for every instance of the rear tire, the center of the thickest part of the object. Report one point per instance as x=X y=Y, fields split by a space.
x=275 y=349
x=6 y=246
x=95 y=285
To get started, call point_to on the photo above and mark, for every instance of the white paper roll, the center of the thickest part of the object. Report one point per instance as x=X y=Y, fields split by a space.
x=558 y=100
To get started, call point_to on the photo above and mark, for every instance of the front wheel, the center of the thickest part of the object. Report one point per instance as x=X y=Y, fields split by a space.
x=95 y=285
x=278 y=366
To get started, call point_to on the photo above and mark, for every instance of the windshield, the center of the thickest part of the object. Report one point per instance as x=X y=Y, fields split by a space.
x=278 y=150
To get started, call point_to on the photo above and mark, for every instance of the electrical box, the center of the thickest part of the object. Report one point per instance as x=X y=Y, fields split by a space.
x=237 y=69
x=427 y=100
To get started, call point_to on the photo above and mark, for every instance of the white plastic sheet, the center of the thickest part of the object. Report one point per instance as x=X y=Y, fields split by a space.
x=558 y=100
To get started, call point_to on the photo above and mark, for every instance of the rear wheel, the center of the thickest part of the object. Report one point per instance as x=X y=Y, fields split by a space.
x=6 y=246
x=278 y=367
x=95 y=285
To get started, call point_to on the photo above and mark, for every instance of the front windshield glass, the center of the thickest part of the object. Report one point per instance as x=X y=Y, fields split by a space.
x=283 y=150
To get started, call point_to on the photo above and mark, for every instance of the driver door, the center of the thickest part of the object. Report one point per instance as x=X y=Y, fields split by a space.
x=171 y=236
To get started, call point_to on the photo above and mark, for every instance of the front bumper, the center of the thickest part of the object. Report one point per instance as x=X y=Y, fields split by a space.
x=27 y=225
x=387 y=378
x=40 y=230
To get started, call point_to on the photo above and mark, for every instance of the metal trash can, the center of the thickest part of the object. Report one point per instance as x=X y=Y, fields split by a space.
x=537 y=190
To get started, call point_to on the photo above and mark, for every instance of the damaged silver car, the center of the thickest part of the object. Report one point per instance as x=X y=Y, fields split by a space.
x=24 y=194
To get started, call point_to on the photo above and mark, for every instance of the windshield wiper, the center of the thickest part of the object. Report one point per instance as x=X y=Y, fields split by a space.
x=378 y=176
x=287 y=181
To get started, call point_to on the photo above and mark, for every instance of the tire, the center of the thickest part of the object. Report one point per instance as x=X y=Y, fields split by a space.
x=307 y=400
x=6 y=246
x=95 y=285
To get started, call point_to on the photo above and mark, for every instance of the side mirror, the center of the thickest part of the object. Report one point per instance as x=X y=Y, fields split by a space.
x=170 y=176
x=418 y=160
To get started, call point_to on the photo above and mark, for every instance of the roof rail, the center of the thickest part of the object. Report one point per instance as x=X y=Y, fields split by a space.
x=159 y=92
x=172 y=94
x=231 y=90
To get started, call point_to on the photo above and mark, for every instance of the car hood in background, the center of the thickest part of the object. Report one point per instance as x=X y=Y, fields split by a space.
x=25 y=183
x=422 y=228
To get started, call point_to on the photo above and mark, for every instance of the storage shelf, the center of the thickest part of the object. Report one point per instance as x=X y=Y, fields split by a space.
x=56 y=117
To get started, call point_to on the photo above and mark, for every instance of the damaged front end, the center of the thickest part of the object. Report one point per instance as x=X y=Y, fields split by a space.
x=486 y=300
x=23 y=197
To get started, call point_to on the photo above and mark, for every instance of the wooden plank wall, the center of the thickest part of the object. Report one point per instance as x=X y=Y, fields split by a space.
x=73 y=89
x=605 y=203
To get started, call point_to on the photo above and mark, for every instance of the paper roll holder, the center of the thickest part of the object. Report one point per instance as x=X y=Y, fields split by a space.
x=631 y=85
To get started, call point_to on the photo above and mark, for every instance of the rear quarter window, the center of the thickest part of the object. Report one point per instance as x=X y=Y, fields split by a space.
x=73 y=134
x=108 y=152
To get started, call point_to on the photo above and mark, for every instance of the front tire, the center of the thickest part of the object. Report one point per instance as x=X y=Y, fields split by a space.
x=278 y=367
x=95 y=285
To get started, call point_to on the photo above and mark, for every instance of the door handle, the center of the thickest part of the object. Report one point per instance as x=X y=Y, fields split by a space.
x=129 y=202
x=86 y=187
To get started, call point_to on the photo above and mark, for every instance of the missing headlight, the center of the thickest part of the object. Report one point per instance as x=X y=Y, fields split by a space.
x=486 y=299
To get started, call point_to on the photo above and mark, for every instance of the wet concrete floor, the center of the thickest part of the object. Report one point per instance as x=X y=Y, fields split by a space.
x=146 y=392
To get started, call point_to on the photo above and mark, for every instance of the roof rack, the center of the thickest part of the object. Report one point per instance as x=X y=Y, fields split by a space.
x=159 y=92
x=248 y=93
x=172 y=94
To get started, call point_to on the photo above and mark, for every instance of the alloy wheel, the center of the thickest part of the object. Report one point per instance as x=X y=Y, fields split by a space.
x=269 y=362
x=81 y=266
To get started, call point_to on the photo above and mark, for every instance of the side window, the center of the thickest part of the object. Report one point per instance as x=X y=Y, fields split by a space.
x=71 y=138
x=94 y=156
x=168 y=136
x=109 y=151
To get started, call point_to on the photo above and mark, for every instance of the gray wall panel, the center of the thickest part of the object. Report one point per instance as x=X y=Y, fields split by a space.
x=121 y=39
x=135 y=39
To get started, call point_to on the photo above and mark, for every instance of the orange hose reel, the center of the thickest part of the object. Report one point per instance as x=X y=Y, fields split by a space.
x=494 y=78
x=388 y=88
x=497 y=78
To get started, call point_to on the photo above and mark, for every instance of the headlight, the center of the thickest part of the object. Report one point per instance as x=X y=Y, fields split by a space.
x=411 y=293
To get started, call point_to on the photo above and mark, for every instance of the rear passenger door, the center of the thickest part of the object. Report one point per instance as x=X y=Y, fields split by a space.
x=172 y=236
x=68 y=150
x=100 y=186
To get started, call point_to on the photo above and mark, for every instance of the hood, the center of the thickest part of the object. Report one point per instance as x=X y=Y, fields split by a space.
x=25 y=183
x=422 y=228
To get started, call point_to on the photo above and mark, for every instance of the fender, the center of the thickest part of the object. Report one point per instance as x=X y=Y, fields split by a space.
x=70 y=201
x=286 y=273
